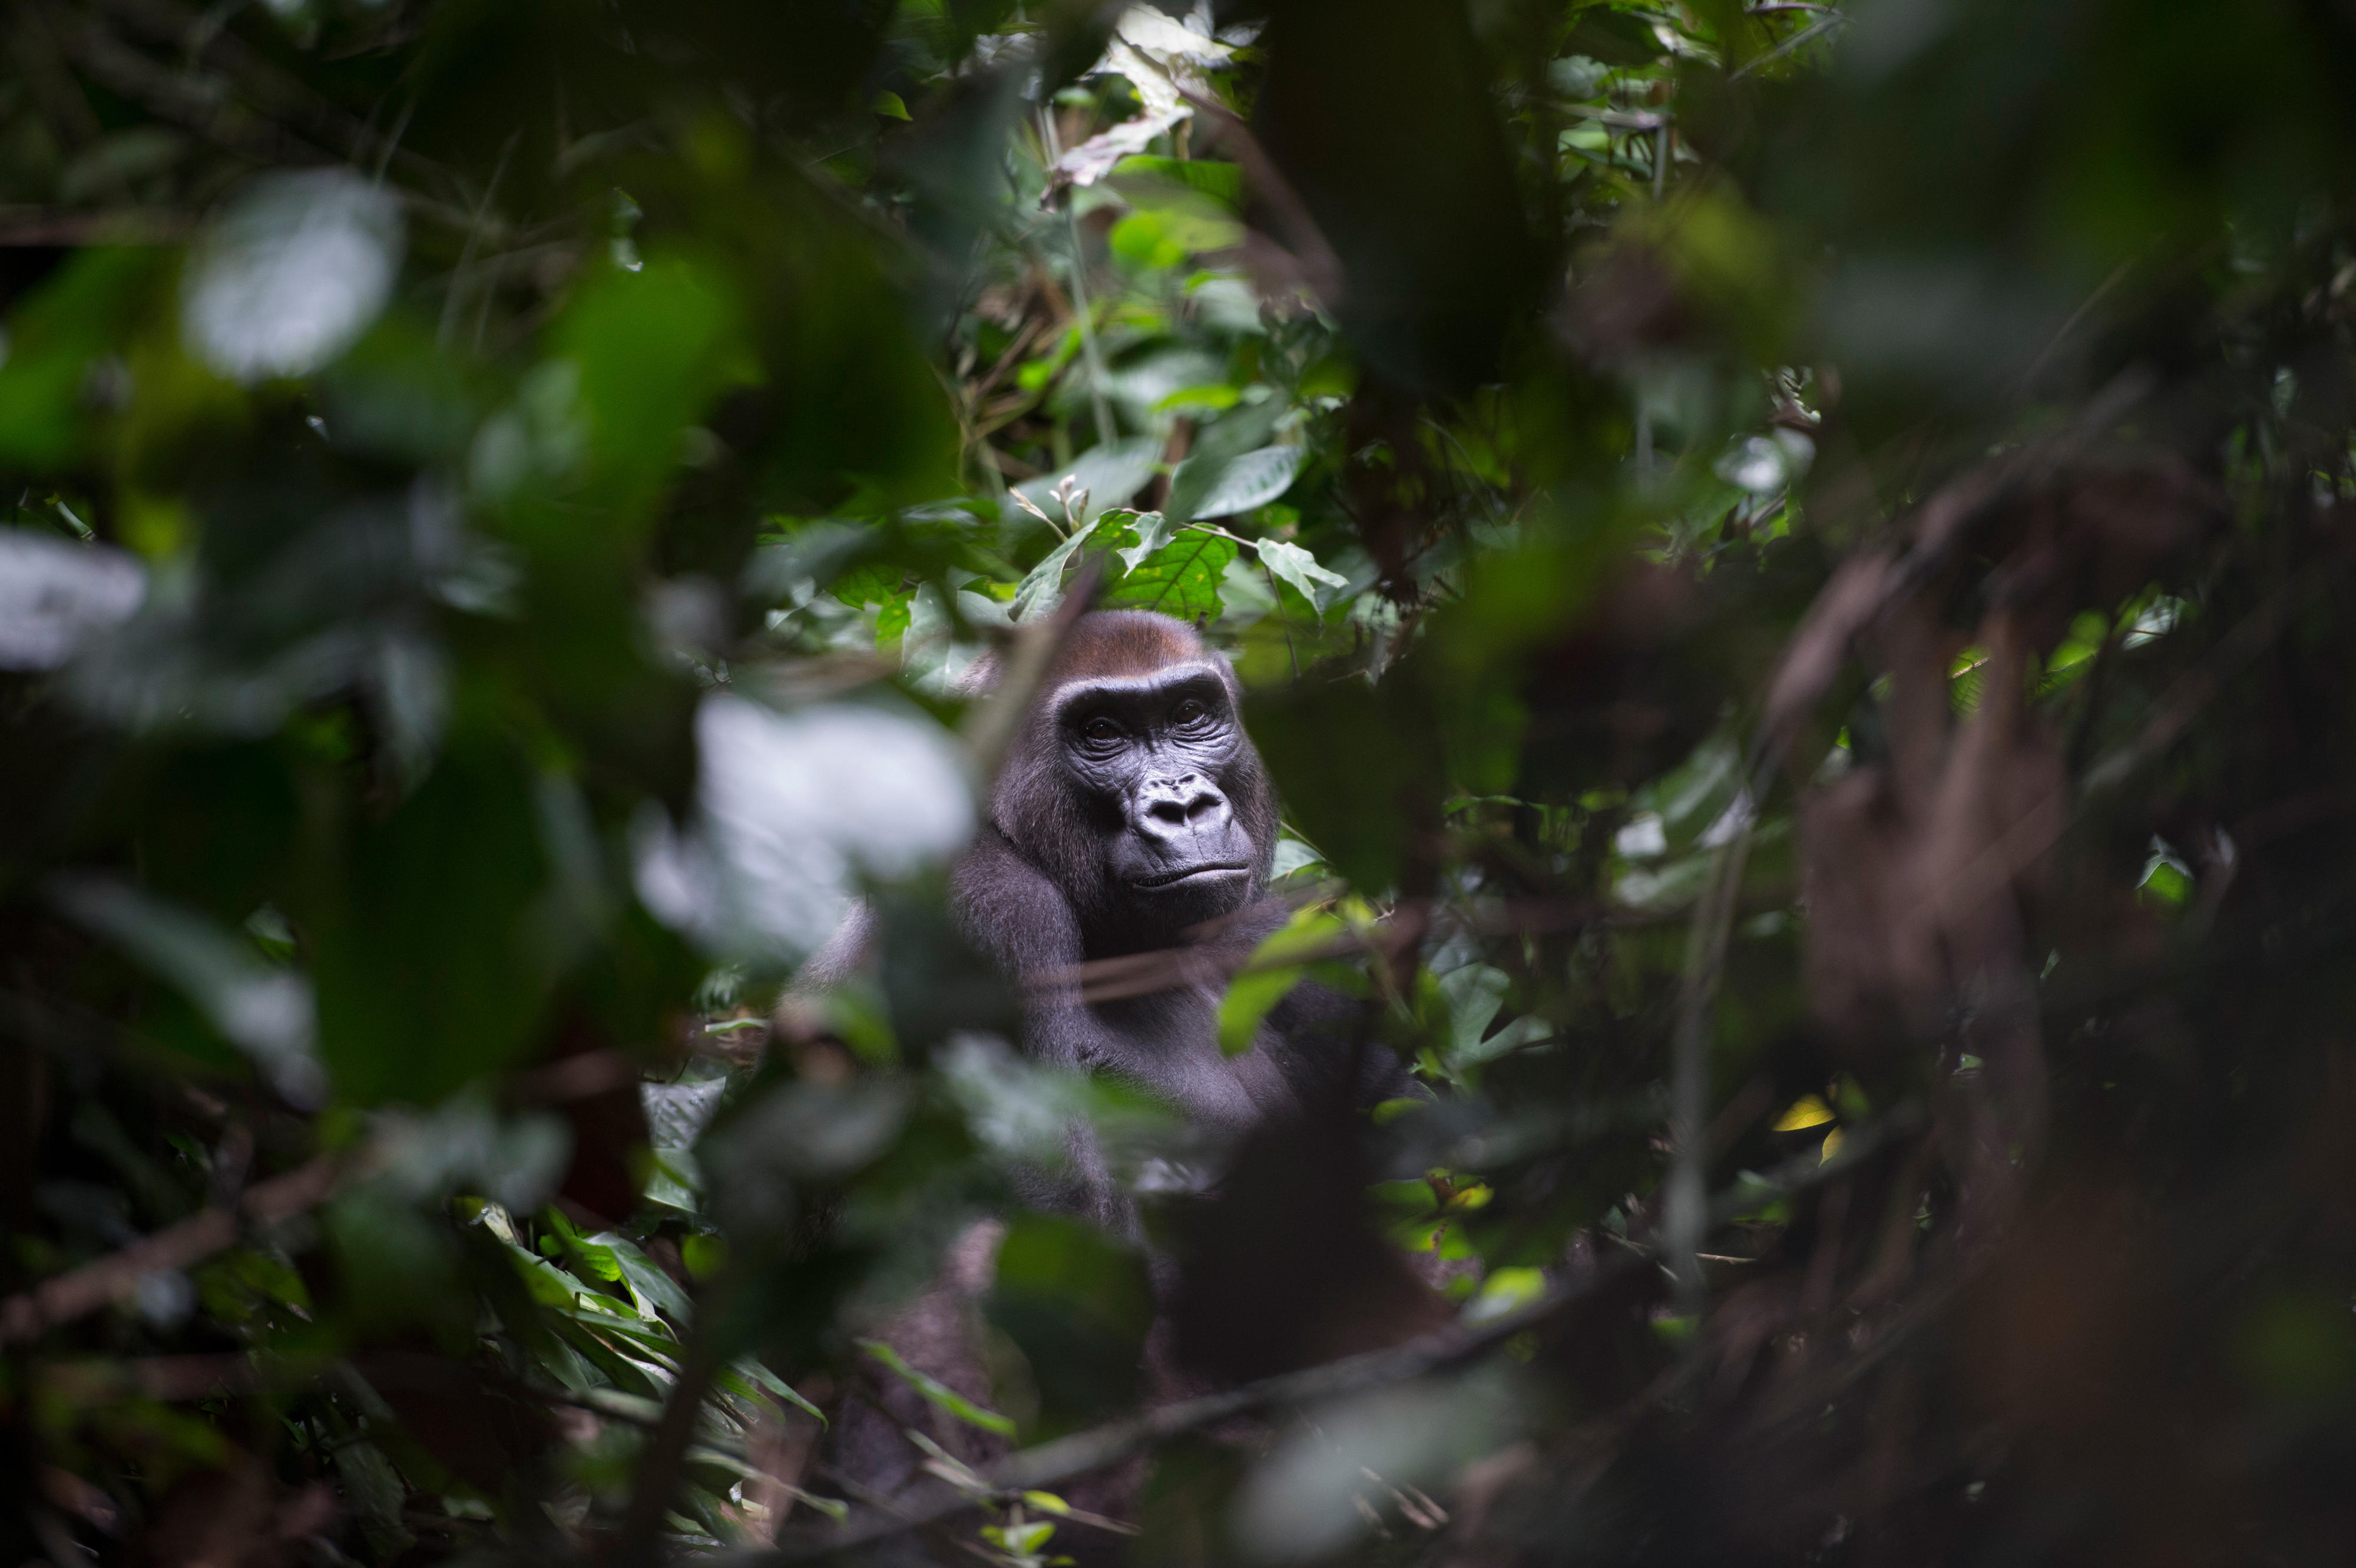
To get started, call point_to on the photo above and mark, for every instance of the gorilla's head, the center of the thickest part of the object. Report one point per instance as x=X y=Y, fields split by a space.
x=1133 y=786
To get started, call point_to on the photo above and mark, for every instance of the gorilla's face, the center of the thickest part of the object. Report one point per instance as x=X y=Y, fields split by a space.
x=1155 y=755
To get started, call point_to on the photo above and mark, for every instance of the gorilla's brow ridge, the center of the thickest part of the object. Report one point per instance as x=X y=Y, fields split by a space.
x=1193 y=672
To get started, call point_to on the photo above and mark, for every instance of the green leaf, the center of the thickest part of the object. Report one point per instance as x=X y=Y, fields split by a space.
x=653 y=347
x=1153 y=530
x=938 y=1392
x=1243 y=483
x=891 y=623
x=1808 y=1110
x=1235 y=435
x=1042 y=589
x=656 y=1291
x=1614 y=37
x=1290 y=564
x=1222 y=183
x=1505 y=1290
x=751 y=1368
x=1181 y=579
x=1269 y=978
x=1524 y=1031
x=87 y=309
x=1474 y=993
x=873 y=583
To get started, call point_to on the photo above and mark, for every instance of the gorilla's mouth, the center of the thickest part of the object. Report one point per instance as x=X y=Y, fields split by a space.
x=1188 y=873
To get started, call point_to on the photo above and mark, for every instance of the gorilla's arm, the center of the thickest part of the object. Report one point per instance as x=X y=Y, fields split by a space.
x=1023 y=923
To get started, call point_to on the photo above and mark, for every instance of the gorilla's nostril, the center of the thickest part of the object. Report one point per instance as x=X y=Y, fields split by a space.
x=1188 y=803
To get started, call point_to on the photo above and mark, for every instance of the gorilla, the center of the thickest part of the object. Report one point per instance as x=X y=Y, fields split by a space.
x=1133 y=815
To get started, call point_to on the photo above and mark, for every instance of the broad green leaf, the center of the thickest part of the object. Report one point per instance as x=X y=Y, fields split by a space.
x=1212 y=398
x=1523 y=1031
x=1222 y=182
x=653 y=347
x=751 y=1368
x=1249 y=1000
x=656 y=1291
x=1181 y=579
x=1505 y=1290
x=1252 y=480
x=1153 y=530
x=1473 y=993
x=1294 y=855
x=1020 y=1541
x=1615 y=37
x=1292 y=564
x=1042 y=589
x=1269 y=977
x=1233 y=436
x=1808 y=1110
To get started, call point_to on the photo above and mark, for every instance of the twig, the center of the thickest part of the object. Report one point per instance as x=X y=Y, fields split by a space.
x=30 y=225
x=1165 y=969
x=664 y=1458
x=1080 y=312
x=77 y=1293
x=1800 y=39
x=1684 y=1208
x=2061 y=335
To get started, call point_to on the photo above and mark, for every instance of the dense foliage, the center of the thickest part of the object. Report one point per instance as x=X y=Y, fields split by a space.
x=1787 y=560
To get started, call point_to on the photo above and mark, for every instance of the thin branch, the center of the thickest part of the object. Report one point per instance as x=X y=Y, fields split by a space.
x=1798 y=40
x=1684 y=1208
x=35 y=225
x=664 y=1458
x=1088 y=351
x=80 y=1292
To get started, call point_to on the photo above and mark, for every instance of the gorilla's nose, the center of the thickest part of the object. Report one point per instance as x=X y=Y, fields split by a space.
x=1167 y=808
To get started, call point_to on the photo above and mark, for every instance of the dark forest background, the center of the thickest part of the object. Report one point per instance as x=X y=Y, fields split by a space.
x=1789 y=563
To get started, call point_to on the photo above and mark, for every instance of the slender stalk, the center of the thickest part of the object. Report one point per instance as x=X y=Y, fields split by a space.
x=1080 y=310
x=1685 y=1219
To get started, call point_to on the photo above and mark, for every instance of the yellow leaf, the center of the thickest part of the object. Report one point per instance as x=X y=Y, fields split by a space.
x=1808 y=1110
x=1832 y=1145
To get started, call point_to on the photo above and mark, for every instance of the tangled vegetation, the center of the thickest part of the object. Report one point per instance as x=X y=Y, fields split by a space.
x=1786 y=560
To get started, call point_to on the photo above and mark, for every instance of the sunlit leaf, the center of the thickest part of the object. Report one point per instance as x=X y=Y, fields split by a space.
x=1181 y=579
x=1808 y=1110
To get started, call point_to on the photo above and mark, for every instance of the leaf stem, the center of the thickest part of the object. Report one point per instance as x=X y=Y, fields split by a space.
x=1080 y=310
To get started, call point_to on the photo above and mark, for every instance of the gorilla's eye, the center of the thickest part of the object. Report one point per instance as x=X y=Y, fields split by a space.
x=1189 y=713
x=1103 y=731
